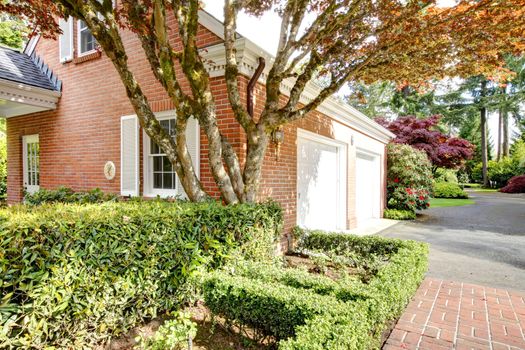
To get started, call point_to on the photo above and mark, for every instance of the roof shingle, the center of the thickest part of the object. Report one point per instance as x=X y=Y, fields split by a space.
x=19 y=67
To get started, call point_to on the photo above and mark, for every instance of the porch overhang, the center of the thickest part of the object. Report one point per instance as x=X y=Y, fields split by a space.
x=19 y=99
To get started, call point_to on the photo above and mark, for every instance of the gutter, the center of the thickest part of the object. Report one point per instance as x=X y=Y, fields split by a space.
x=251 y=85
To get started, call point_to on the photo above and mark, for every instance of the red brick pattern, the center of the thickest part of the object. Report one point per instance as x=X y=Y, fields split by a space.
x=454 y=315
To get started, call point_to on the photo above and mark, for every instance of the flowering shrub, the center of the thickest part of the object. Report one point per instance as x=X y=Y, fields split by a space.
x=409 y=178
x=515 y=185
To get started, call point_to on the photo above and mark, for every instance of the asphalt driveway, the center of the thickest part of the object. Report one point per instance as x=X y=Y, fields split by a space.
x=483 y=243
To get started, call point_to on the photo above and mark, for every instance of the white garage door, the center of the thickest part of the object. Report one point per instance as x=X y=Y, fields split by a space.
x=320 y=191
x=368 y=196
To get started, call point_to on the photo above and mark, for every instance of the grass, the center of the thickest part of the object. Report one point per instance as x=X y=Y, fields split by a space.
x=446 y=202
x=481 y=189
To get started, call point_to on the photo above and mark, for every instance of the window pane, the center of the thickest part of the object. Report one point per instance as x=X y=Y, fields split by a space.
x=168 y=181
x=157 y=180
x=167 y=164
x=157 y=164
x=87 y=41
x=165 y=124
x=154 y=148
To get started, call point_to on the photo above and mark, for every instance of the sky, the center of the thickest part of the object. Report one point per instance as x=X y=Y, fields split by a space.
x=264 y=31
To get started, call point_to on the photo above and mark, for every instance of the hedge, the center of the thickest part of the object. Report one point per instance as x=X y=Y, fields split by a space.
x=396 y=214
x=67 y=195
x=73 y=276
x=448 y=190
x=305 y=311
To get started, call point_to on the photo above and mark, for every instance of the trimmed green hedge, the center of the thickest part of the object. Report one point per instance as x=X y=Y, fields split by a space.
x=396 y=214
x=67 y=195
x=73 y=276
x=448 y=190
x=306 y=311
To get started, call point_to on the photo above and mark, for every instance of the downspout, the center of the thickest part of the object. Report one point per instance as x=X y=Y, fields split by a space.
x=251 y=85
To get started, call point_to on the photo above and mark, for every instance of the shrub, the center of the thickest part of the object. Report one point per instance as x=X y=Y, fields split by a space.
x=396 y=214
x=409 y=178
x=172 y=334
x=304 y=311
x=499 y=173
x=448 y=190
x=73 y=276
x=446 y=175
x=515 y=185
x=67 y=195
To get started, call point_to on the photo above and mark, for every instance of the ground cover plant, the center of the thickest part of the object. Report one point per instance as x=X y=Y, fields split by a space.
x=75 y=276
x=335 y=291
x=396 y=214
x=448 y=190
x=449 y=202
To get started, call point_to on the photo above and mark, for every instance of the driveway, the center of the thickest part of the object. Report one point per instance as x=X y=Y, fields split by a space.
x=483 y=243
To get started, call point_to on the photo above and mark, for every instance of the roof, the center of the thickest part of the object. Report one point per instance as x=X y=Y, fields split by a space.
x=18 y=67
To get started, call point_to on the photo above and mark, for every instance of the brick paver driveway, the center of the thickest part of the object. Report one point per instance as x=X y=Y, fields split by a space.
x=451 y=315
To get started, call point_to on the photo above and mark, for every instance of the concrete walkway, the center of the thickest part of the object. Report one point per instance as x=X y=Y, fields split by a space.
x=450 y=315
x=482 y=243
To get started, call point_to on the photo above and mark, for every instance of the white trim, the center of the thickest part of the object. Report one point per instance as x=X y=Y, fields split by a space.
x=31 y=45
x=25 y=140
x=342 y=174
x=79 y=44
x=211 y=23
x=137 y=157
x=148 y=190
x=34 y=98
x=71 y=43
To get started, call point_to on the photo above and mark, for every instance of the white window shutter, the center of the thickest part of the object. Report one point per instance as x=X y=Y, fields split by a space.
x=129 y=156
x=66 y=39
x=193 y=144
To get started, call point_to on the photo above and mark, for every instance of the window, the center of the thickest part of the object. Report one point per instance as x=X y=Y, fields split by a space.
x=31 y=163
x=86 y=40
x=160 y=179
x=164 y=177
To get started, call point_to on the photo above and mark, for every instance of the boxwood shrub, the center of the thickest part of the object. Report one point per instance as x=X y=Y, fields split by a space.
x=305 y=311
x=448 y=190
x=396 y=214
x=73 y=276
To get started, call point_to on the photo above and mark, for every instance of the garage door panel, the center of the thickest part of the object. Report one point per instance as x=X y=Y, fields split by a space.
x=318 y=185
x=367 y=187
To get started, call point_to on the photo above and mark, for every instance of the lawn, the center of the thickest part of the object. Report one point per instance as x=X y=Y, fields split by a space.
x=449 y=202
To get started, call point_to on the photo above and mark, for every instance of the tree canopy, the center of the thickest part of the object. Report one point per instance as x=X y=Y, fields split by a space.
x=442 y=150
x=405 y=41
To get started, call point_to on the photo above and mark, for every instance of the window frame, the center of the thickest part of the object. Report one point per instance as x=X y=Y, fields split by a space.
x=147 y=163
x=79 y=40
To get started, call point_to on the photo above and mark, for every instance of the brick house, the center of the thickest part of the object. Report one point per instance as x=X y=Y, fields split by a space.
x=70 y=123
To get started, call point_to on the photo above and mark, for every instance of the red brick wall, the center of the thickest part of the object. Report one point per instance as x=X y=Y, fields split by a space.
x=84 y=131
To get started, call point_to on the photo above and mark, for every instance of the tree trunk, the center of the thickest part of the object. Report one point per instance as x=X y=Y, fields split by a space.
x=483 y=127
x=257 y=144
x=500 y=127
x=505 y=148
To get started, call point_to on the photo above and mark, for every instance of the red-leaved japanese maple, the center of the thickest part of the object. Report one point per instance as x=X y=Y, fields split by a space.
x=423 y=134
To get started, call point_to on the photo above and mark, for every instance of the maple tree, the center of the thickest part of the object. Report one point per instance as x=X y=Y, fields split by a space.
x=423 y=134
x=368 y=40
